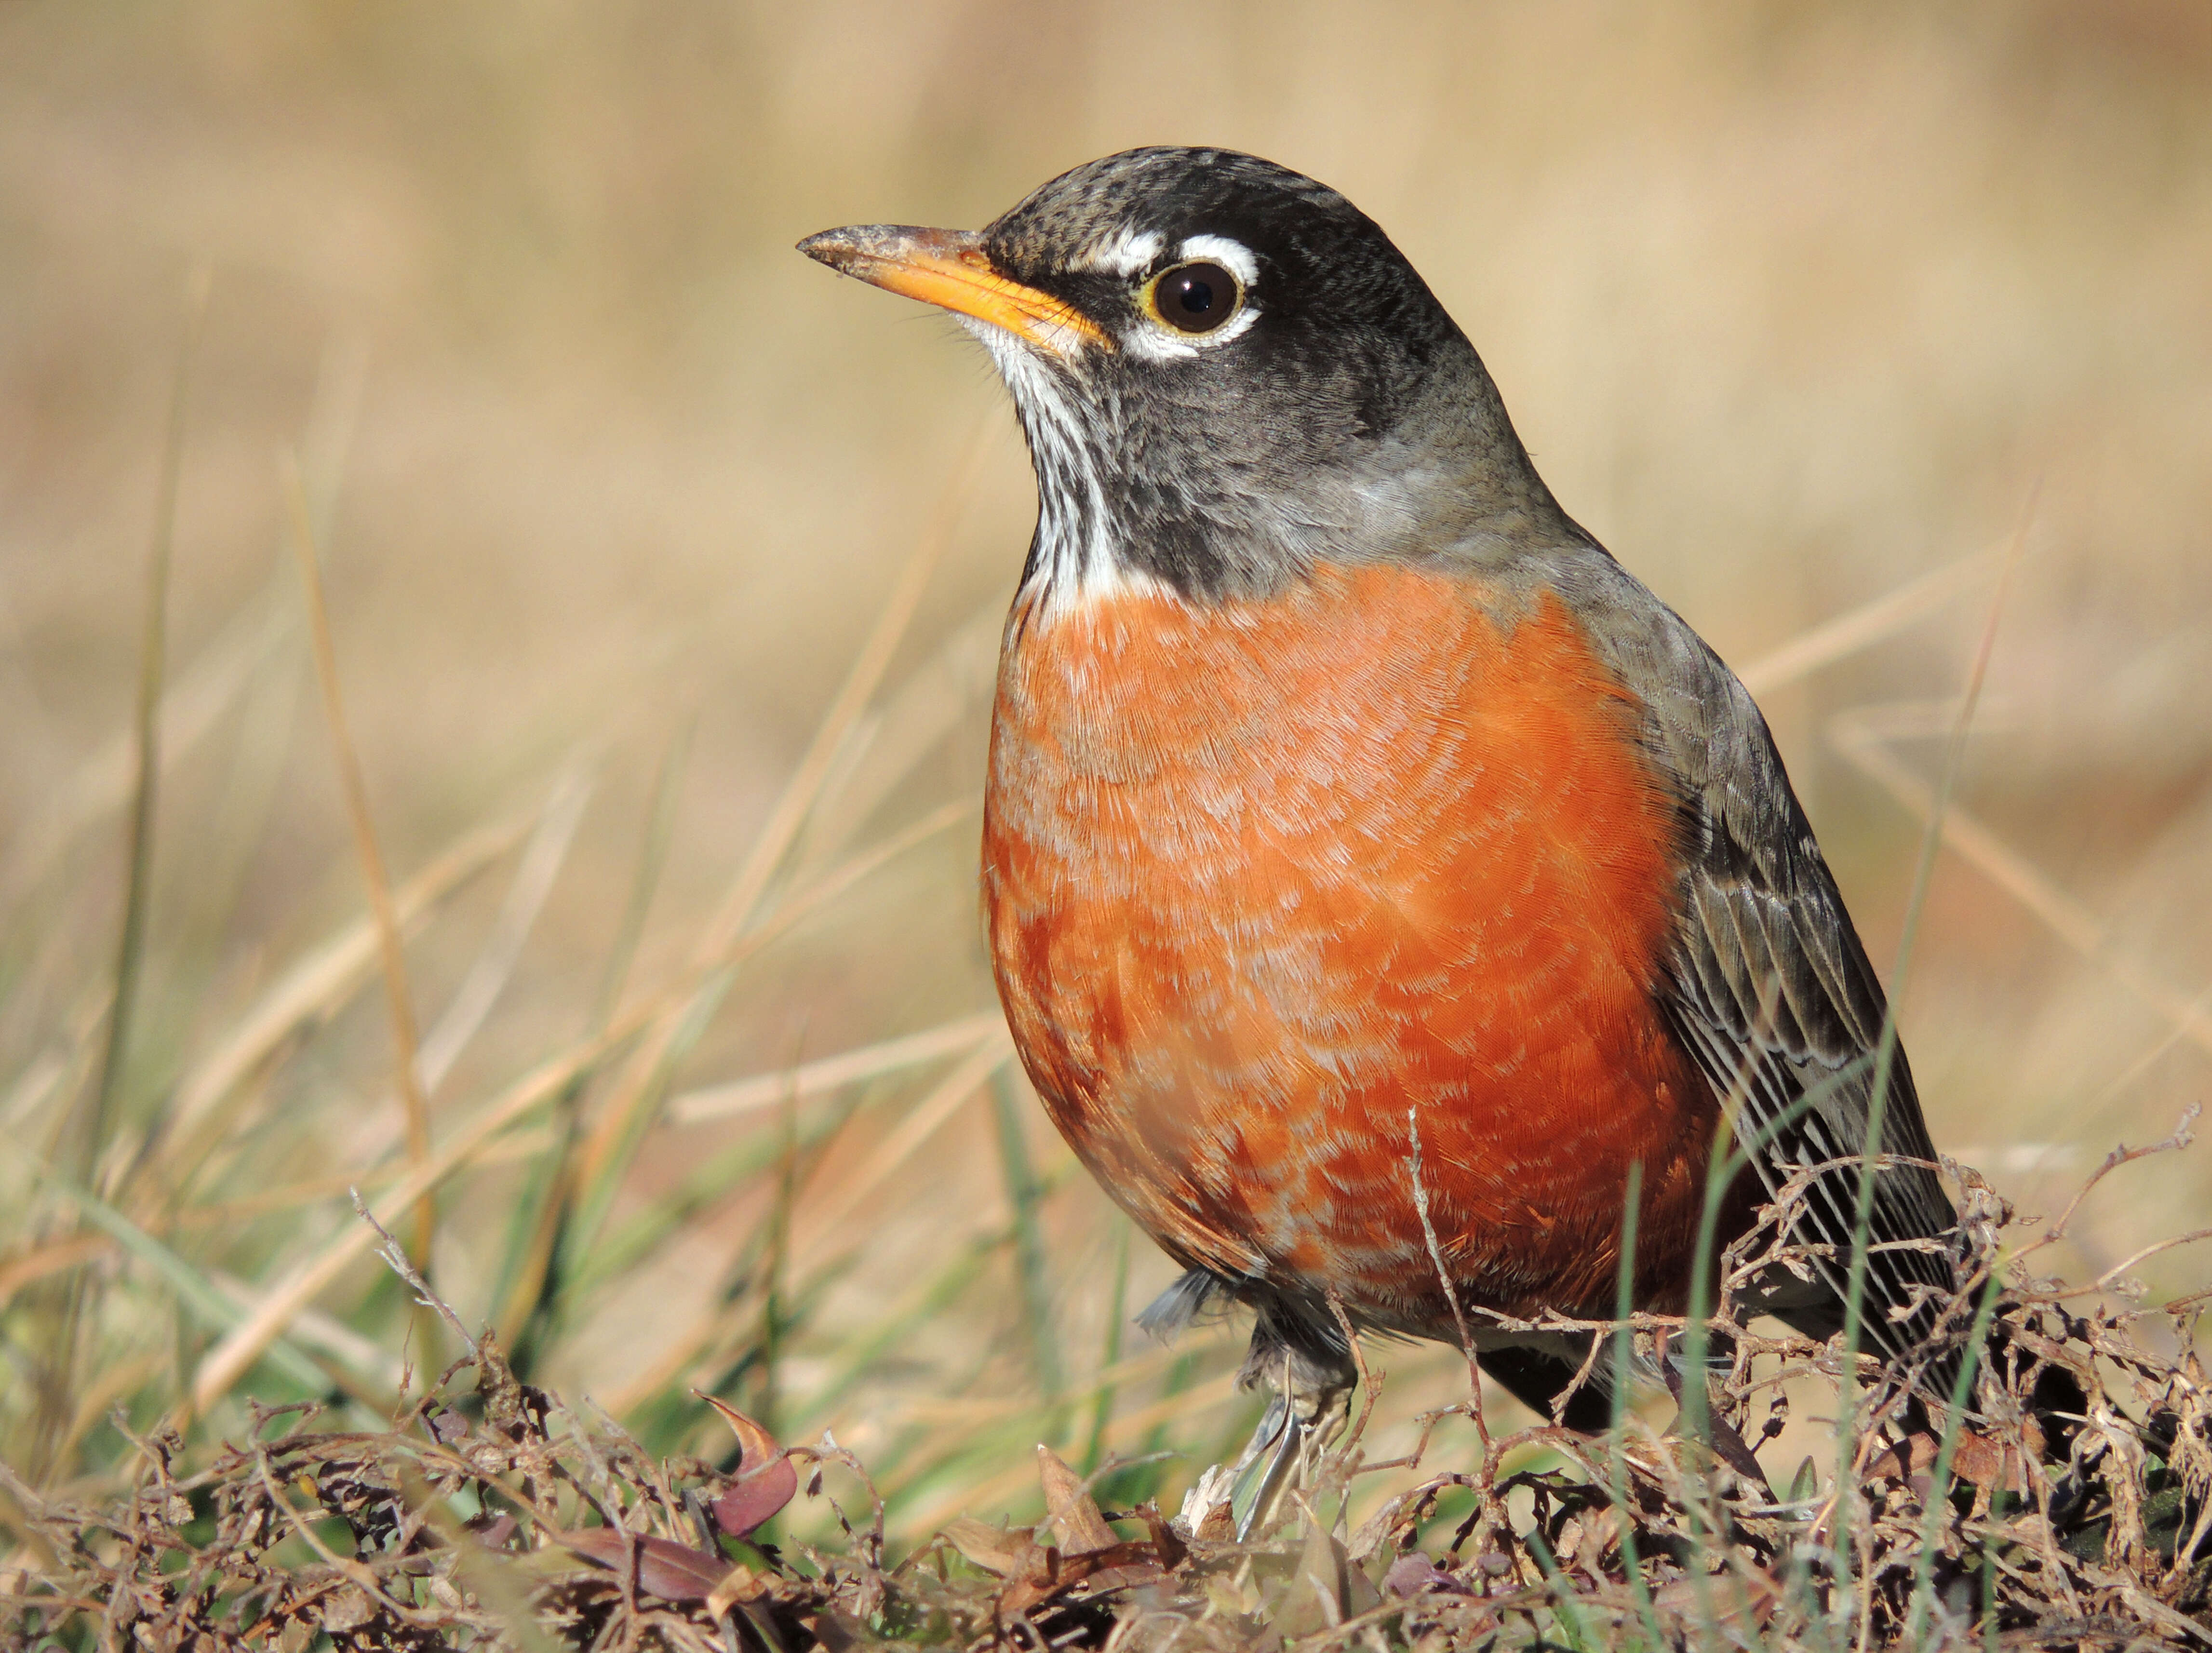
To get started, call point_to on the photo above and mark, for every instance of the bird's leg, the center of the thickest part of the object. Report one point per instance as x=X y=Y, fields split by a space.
x=1308 y=1407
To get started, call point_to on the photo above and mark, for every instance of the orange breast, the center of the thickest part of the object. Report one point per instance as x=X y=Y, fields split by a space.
x=1263 y=879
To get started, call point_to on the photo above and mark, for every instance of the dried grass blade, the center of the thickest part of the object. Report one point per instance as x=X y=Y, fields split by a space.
x=1870 y=624
x=49 y=1258
x=828 y=1073
x=195 y=700
x=534 y=1231
x=543 y=858
x=194 y=1288
x=328 y=975
x=1939 y=811
x=2010 y=871
x=900 y=731
x=679 y=1021
x=283 y=1301
x=860 y=687
x=192 y=707
x=399 y=999
x=683 y=1019
x=825 y=1222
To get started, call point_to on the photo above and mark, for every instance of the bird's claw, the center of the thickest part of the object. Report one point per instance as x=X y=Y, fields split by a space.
x=1297 y=1426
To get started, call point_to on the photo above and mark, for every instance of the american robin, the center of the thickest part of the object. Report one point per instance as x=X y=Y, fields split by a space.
x=1375 y=871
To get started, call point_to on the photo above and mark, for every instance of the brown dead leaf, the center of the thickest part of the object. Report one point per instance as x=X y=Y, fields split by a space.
x=1980 y=1460
x=1913 y=1455
x=1219 y=1524
x=1167 y=1543
x=765 y=1480
x=673 y=1571
x=1001 y=1550
x=1098 y=1571
x=1070 y=1510
x=1975 y=1459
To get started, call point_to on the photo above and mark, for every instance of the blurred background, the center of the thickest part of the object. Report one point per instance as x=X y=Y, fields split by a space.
x=1808 y=312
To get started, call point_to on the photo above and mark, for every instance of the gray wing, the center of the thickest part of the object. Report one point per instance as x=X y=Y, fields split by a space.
x=1768 y=985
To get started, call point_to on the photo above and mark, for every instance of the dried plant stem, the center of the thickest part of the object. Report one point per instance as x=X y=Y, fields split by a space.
x=684 y=1021
x=860 y=687
x=2066 y=917
x=224 y=1363
x=826 y=1073
x=395 y=1257
x=2180 y=1136
x=84 y=1134
x=826 y=1224
x=229 y=1359
x=406 y=1075
x=323 y=979
x=1450 y=1291
x=548 y=1204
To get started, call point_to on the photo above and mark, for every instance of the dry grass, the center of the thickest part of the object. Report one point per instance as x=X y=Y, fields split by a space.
x=662 y=575
x=492 y=1515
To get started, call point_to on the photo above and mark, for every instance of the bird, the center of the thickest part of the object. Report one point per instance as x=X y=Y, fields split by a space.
x=1381 y=881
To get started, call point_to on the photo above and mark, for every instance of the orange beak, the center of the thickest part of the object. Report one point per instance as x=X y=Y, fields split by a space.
x=949 y=268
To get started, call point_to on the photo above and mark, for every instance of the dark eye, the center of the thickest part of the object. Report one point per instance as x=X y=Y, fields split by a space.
x=1195 y=298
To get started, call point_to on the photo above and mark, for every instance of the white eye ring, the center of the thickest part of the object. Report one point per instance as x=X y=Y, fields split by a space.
x=1233 y=255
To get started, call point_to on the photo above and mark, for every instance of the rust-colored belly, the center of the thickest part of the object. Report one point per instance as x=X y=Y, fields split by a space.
x=1263 y=879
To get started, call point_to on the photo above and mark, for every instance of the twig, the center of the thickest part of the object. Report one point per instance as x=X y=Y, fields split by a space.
x=1367 y=1385
x=2105 y=1279
x=395 y=1257
x=1444 y=1279
x=2179 y=1138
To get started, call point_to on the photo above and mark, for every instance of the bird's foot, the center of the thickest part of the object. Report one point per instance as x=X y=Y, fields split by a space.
x=1284 y=1451
x=1310 y=1374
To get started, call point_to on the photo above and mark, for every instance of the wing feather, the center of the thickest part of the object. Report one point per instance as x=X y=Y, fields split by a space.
x=1767 y=984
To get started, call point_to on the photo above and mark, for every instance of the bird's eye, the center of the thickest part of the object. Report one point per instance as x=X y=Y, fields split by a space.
x=1194 y=298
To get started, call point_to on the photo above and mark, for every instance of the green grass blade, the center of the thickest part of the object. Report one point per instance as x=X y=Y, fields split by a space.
x=1117 y=1313
x=1924 y=874
x=199 y=1296
x=1939 y=1491
x=1024 y=1196
x=1624 y=1363
x=146 y=723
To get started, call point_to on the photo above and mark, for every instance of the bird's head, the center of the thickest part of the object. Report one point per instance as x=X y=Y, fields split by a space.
x=1226 y=371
